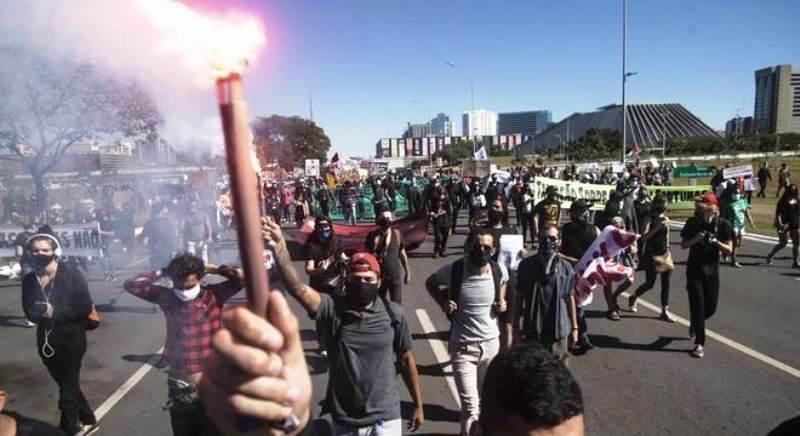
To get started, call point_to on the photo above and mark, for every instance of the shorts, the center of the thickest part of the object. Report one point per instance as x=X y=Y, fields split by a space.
x=739 y=232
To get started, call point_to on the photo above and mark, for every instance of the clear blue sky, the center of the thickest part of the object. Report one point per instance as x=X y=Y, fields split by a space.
x=365 y=61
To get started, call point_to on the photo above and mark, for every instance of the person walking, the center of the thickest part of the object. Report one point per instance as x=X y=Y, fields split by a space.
x=546 y=213
x=526 y=217
x=471 y=291
x=325 y=267
x=440 y=216
x=368 y=336
x=56 y=297
x=736 y=209
x=787 y=222
x=764 y=177
x=388 y=246
x=193 y=313
x=545 y=300
x=784 y=179
x=196 y=231
x=656 y=258
x=705 y=235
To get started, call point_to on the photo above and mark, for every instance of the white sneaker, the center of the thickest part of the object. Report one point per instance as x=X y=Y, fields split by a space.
x=29 y=324
x=697 y=352
x=87 y=430
x=666 y=316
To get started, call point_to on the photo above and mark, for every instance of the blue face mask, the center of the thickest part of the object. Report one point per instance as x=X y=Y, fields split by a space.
x=325 y=235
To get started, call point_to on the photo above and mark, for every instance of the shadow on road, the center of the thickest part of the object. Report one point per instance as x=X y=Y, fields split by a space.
x=442 y=336
x=12 y=321
x=604 y=341
x=435 y=370
x=433 y=412
x=143 y=358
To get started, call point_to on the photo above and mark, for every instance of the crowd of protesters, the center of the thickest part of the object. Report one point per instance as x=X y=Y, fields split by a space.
x=515 y=320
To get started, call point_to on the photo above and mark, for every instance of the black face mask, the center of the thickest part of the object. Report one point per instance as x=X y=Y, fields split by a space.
x=495 y=216
x=41 y=260
x=547 y=247
x=479 y=257
x=361 y=294
x=384 y=223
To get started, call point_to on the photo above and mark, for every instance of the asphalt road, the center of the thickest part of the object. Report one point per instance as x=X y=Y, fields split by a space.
x=639 y=380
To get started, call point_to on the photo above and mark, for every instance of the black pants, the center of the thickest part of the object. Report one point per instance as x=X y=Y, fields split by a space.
x=650 y=281
x=703 y=296
x=392 y=286
x=65 y=368
x=440 y=234
x=762 y=186
x=191 y=420
x=454 y=218
x=325 y=208
x=527 y=227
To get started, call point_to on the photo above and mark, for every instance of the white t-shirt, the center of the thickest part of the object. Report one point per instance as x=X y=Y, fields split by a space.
x=475 y=320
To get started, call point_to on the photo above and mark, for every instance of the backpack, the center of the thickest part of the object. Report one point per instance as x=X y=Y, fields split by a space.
x=457 y=277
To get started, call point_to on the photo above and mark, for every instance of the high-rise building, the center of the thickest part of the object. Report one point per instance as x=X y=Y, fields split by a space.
x=777 y=102
x=441 y=125
x=479 y=122
x=739 y=126
x=417 y=130
x=527 y=122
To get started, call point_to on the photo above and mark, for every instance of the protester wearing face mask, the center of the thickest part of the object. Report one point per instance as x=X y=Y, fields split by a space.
x=472 y=292
x=56 y=297
x=656 y=258
x=367 y=335
x=706 y=235
x=498 y=226
x=324 y=265
x=193 y=314
x=787 y=222
x=477 y=201
x=544 y=297
x=736 y=209
x=576 y=237
x=388 y=246
x=440 y=216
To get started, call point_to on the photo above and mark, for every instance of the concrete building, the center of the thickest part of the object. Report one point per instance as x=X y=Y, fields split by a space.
x=442 y=126
x=777 y=102
x=417 y=130
x=526 y=123
x=739 y=126
x=648 y=126
x=423 y=147
x=479 y=122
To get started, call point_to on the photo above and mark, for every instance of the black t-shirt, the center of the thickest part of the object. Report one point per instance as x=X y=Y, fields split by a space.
x=789 y=212
x=657 y=244
x=704 y=256
x=329 y=280
x=21 y=241
x=388 y=256
x=576 y=238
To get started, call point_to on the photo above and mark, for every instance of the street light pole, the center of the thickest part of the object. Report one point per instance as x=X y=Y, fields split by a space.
x=471 y=98
x=625 y=75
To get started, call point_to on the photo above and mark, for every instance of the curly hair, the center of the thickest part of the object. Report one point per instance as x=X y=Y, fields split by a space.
x=528 y=381
x=184 y=264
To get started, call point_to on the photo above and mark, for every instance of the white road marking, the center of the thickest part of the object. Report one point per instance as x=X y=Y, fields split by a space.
x=439 y=351
x=123 y=390
x=729 y=342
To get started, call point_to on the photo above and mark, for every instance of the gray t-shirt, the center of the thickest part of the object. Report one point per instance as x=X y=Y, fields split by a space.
x=362 y=356
x=475 y=319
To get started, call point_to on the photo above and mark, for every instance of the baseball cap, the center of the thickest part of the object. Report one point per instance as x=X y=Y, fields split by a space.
x=579 y=205
x=362 y=262
x=708 y=198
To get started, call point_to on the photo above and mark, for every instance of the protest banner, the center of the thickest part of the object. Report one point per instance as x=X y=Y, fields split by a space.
x=476 y=168
x=598 y=267
x=737 y=171
x=75 y=239
x=353 y=238
x=312 y=167
x=692 y=172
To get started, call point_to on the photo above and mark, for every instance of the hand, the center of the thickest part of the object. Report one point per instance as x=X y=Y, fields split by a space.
x=450 y=307
x=573 y=335
x=211 y=268
x=501 y=306
x=272 y=234
x=416 y=421
x=407 y=279
x=257 y=368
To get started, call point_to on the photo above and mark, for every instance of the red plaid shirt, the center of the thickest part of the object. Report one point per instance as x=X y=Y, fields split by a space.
x=190 y=325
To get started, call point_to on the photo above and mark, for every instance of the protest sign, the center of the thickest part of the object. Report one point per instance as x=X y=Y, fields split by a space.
x=692 y=172
x=618 y=167
x=737 y=171
x=75 y=239
x=476 y=168
x=312 y=167
x=510 y=248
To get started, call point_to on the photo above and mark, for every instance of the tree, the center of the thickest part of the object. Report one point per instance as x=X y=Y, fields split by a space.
x=289 y=140
x=455 y=152
x=48 y=106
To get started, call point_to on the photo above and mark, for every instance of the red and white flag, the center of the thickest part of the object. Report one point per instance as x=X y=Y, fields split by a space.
x=598 y=266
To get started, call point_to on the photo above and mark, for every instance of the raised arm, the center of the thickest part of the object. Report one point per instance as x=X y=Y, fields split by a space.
x=143 y=286
x=307 y=296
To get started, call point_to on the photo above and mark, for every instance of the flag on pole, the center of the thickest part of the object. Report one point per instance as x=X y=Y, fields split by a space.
x=335 y=160
x=599 y=267
x=481 y=154
x=635 y=150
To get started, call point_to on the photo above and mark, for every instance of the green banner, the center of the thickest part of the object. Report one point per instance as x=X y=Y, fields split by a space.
x=692 y=172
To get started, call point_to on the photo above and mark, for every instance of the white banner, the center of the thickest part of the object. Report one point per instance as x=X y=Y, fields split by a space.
x=597 y=195
x=737 y=171
x=75 y=239
x=312 y=167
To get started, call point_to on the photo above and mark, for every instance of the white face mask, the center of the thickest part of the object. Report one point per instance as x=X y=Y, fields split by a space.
x=187 y=294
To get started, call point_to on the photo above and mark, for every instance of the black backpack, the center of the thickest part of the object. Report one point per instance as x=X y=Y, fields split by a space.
x=457 y=277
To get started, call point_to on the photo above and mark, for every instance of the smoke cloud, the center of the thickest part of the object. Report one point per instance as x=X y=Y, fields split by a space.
x=127 y=39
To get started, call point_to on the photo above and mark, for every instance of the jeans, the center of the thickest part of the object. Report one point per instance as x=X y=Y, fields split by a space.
x=650 y=281
x=703 y=296
x=470 y=362
x=440 y=235
x=583 y=334
x=65 y=368
x=392 y=427
x=198 y=248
